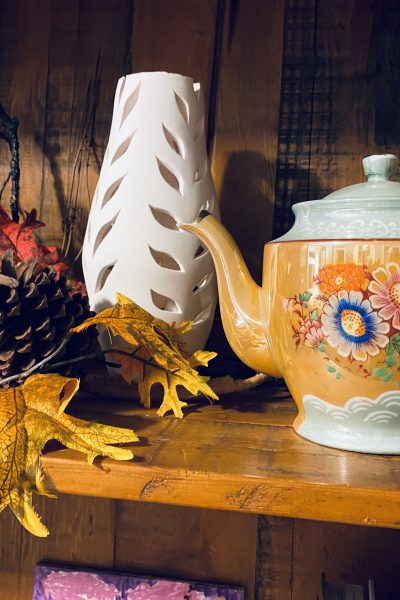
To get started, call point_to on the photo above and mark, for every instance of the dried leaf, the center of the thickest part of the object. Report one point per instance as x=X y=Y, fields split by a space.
x=193 y=382
x=139 y=328
x=31 y=415
x=159 y=355
x=148 y=375
x=201 y=358
x=19 y=238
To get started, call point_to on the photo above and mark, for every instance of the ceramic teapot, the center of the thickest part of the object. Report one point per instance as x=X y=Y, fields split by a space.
x=327 y=317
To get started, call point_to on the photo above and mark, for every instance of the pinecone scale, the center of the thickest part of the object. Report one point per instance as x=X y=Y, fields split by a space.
x=37 y=309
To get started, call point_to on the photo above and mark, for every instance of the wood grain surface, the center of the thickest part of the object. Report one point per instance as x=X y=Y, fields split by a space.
x=186 y=542
x=176 y=36
x=139 y=538
x=24 y=38
x=298 y=92
x=246 y=124
x=254 y=465
x=82 y=533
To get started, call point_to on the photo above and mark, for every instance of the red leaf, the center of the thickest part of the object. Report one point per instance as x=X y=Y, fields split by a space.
x=18 y=236
x=26 y=244
x=49 y=254
x=49 y=257
x=20 y=239
x=31 y=222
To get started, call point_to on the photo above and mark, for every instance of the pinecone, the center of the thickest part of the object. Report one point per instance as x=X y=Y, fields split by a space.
x=36 y=312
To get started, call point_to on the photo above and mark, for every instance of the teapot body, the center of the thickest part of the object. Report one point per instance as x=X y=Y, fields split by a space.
x=327 y=318
x=333 y=327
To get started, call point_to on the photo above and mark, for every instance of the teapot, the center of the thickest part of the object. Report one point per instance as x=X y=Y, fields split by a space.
x=327 y=317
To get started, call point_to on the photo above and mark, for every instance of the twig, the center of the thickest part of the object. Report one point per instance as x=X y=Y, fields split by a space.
x=96 y=383
x=38 y=365
x=86 y=149
x=10 y=134
x=111 y=351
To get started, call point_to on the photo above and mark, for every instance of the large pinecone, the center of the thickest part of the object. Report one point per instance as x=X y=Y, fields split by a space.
x=36 y=312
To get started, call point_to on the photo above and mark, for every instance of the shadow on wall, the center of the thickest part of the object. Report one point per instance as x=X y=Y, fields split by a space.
x=247 y=210
x=51 y=148
x=293 y=184
x=246 y=204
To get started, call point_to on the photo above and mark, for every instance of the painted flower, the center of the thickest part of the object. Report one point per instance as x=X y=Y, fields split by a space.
x=287 y=304
x=198 y=596
x=385 y=293
x=290 y=305
x=342 y=276
x=310 y=333
x=75 y=585
x=351 y=326
x=161 y=590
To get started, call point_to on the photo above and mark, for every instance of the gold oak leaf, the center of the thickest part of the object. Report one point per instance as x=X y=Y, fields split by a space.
x=159 y=354
x=148 y=375
x=139 y=328
x=32 y=414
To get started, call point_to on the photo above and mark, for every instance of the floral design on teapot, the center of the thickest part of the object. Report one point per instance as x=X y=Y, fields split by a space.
x=352 y=317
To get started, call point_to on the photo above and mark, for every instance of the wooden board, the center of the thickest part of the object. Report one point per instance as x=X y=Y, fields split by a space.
x=246 y=123
x=89 y=51
x=340 y=74
x=82 y=532
x=293 y=174
x=24 y=35
x=58 y=135
x=177 y=36
x=346 y=554
x=274 y=559
x=188 y=543
x=138 y=538
x=252 y=466
x=10 y=549
x=353 y=114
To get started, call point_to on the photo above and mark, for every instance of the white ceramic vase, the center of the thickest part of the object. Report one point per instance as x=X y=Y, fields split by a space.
x=155 y=175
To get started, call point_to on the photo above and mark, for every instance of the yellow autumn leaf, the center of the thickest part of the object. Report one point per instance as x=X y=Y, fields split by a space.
x=159 y=355
x=138 y=368
x=139 y=328
x=193 y=382
x=201 y=358
x=31 y=415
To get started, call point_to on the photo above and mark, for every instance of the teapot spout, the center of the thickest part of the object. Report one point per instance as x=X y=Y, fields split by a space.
x=240 y=298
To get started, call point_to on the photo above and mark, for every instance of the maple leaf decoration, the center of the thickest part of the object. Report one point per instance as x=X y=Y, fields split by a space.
x=19 y=238
x=157 y=355
x=32 y=414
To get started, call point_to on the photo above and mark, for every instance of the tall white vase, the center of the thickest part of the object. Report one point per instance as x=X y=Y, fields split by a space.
x=155 y=174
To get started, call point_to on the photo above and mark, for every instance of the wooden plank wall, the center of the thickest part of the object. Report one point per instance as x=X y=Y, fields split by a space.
x=297 y=91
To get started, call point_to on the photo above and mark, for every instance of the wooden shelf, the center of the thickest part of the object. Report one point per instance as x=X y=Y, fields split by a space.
x=240 y=454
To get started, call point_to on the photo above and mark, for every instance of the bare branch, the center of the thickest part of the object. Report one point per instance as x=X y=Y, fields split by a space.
x=10 y=134
x=37 y=366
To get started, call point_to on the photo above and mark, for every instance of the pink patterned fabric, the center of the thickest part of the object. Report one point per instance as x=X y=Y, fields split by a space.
x=162 y=590
x=62 y=585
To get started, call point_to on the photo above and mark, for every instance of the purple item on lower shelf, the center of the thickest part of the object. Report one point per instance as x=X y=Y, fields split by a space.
x=55 y=582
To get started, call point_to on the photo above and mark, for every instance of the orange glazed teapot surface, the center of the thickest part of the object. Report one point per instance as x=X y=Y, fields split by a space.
x=327 y=317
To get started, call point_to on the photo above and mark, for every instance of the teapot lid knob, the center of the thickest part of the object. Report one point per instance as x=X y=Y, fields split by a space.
x=380 y=166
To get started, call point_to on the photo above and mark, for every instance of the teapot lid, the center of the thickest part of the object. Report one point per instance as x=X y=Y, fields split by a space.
x=368 y=210
x=378 y=169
